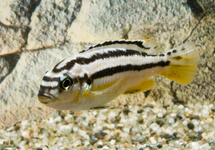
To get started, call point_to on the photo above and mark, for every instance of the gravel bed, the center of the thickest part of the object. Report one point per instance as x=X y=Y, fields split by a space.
x=147 y=127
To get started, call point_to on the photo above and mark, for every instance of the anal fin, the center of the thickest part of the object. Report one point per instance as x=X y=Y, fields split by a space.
x=142 y=86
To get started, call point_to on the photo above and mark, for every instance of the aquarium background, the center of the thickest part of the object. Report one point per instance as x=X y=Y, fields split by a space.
x=36 y=34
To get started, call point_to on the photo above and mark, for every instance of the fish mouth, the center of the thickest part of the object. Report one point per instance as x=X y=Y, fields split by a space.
x=45 y=97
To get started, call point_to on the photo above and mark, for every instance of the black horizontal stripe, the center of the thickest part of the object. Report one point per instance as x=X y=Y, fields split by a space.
x=108 y=43
x=129 y=67
x=42 y=87
x=46 y=78
x=46 y=89
x=110 y=54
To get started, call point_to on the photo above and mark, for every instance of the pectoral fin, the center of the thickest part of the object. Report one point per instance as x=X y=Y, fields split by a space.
x=142 y=86
x=108 y=91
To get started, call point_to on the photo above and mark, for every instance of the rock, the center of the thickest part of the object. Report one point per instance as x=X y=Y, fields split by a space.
x=190 y=125
x=212 y=145
x=196 y=7
x=17 y=13
x=50 y=22
x=11 y=40
x=213 y=109
x=140 y=111
x=126 y=145
x=166 y=136
x=181 y=107
x=160 y=121
x=2 y=146
x=105 y=148
x=194 y=136
x=159 y=145
x=4 y=68
x=58 y=119
x=176 y=101
x=142 y=140
x=65 y=130
x=171 y=120
x=152 y=140
x=140 y=119
x=93 y=140
x=99 y=144
x=126 y=111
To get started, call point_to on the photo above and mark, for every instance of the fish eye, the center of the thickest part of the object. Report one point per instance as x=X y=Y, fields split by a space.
x=66 y=83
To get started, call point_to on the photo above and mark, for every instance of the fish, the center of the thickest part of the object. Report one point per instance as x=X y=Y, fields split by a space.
x=97 y=75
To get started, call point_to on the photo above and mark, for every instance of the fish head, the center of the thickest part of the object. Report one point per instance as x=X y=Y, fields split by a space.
x=59 y=90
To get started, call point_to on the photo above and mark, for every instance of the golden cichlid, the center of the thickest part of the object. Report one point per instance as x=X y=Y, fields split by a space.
x=100 y=73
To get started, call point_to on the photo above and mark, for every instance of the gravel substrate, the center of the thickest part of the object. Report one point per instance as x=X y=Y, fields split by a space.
x=150 y=126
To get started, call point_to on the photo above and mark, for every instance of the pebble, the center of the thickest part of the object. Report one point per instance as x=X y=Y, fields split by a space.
x=105 y=148
x=58 y=119
x=126 y=145
x=173 y=115
x=141 y=110
x=77 y=143
x=152 y=140
x=160 y=115
x=213 y=109
x=120 y=125
x=171 y=120
x=160 y=121
x=205 y=113
x=99 y=144
x=112 y=115
x=112 y=142
x=117 y=132
x=159 y=145
x=65 y=130
x=190 y=125
x=212 y=144
x=110 y=126
x=181 y=107
x=140 y=119
x=126 y=111
x=117 y=138
x=93 y=140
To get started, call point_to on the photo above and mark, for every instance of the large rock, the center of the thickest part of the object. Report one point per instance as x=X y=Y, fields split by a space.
x=15 y=16
x=50 y=23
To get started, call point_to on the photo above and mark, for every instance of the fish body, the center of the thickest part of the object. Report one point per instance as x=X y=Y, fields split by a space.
x=101 y=73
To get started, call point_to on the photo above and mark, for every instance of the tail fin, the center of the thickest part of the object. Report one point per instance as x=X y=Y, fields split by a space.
x=183 y=63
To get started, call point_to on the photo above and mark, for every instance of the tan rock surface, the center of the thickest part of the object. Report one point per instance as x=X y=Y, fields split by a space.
x=50 y=22
x=17 y=13
x=11 y=39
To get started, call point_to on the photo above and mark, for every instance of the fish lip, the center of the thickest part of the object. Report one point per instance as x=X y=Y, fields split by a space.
x=45 y=97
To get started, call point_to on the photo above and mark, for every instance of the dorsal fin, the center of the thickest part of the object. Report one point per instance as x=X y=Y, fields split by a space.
x=145 y=45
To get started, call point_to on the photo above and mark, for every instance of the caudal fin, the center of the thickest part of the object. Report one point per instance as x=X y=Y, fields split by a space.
x=183 y=63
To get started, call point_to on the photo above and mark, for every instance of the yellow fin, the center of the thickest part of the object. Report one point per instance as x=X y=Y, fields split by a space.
x=108 y=92
x=144 y=85
x=183 y=64
x=86 y=93
x=103 y=86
